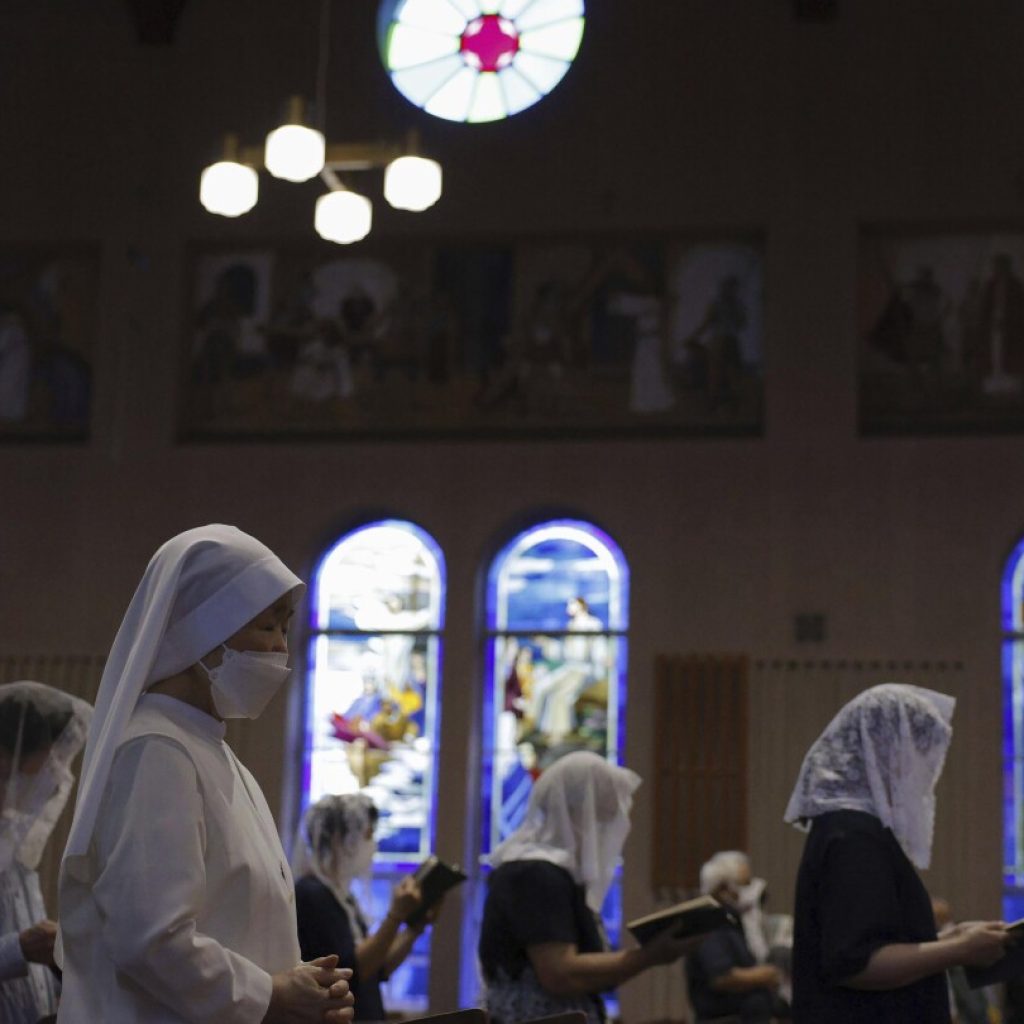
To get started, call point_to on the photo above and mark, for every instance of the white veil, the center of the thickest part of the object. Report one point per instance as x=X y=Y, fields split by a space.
x=577 y=818
x=882 y=754
x=199 y=588
x=36 y=717
x=331 y=845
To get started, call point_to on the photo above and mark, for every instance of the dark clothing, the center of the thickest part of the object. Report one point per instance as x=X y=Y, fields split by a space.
x=530 y=902
x=324 y=928
x=856 y=892
x=718 y=954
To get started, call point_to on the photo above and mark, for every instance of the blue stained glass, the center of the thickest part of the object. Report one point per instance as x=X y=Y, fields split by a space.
x=1013 y=734
x=373 y=701
x=557 y=610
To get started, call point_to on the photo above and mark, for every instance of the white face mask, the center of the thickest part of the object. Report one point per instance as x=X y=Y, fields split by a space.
x=243 y=684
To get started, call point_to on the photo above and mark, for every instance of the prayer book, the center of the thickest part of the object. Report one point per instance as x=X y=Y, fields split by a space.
x=1008 y=966
x=692 y=917
x=434 y=878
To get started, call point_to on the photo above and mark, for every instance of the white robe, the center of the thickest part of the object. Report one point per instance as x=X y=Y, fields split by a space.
x=27 y=991
x=189 y=905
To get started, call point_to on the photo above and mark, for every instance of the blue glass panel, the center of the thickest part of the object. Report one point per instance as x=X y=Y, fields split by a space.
x=550 y=695
x=537 y=581
x=373 y=704
x=406 y=989
x=557 y=609
x=1013 y=591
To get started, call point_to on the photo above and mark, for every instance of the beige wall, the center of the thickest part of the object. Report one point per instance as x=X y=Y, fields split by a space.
x=704 y=115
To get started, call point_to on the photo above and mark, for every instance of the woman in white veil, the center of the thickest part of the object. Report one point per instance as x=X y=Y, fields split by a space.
x=176 y=902
x=41 y=732
x=334 y=848
x=865 y=946
x=542 y=948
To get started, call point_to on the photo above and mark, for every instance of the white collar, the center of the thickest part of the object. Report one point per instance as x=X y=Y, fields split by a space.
x=186 y=715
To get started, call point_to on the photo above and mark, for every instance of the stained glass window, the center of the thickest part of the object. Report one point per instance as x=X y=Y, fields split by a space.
x=372 y=701
x=557 y=615
x=478 y=60
x=1013 y=735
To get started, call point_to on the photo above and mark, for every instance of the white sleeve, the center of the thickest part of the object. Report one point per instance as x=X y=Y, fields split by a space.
x=12 y=960
x=151 y=886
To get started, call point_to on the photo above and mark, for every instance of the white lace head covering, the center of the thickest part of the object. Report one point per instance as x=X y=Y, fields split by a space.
x=35 y=718
x=332 y=846
x=577 y=818
x=199 y=589
x=882 y=754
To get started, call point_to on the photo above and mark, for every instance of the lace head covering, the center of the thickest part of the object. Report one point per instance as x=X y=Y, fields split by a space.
x=882 y=754
x=199 y=589
x=332 y=846
x=41 y=732
x=577 y=818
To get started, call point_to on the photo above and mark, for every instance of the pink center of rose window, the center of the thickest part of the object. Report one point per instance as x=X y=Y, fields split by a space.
x=489 y=43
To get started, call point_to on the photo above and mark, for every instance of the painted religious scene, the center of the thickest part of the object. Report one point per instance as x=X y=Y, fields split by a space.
x=372 y=693
x=530 y=338
x=558 y=659
x=47 y=331
x=941 y=326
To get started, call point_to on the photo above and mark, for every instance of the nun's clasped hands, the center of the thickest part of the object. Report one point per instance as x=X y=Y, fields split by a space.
x=312 y=992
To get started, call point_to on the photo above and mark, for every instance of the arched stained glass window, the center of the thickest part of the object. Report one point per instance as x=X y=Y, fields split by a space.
x=478 y=60
x=373 y=701
x=557 y=615
x=1013 y=735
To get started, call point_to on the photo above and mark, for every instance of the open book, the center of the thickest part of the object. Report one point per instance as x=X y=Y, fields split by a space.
x=434 y=878
x=692 y=917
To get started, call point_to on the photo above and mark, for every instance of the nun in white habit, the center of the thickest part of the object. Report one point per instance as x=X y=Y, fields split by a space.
x=176 y=901
x=41 y=732
x=542 y=945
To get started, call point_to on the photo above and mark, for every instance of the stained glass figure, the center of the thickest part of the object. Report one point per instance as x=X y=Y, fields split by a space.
x=372 y=701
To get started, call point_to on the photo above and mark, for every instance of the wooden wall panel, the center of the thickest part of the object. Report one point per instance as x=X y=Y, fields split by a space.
x=700 y=764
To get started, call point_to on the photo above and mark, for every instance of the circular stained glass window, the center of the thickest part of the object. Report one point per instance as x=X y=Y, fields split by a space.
x=478 y=60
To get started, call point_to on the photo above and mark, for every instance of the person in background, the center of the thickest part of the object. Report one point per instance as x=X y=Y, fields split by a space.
x=724 y=976
x=542 y=947
x=176 y=902
x=41 y=732
x=864 y=944
x=335 y=847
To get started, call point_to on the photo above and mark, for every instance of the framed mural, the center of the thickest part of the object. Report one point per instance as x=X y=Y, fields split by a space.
x=527 y=338
x=47 y=329
x=941 y=331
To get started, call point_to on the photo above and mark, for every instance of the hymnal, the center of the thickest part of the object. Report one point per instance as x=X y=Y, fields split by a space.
x=693 y=917
x=434 y=878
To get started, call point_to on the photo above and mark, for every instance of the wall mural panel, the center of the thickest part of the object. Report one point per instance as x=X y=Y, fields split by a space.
x=48 y=315
x=941 y=329
x=515 y=339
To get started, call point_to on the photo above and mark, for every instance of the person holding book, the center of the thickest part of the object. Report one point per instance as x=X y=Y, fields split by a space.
x=335 y=846
x=865 y=946
x=724 y=976
x=542 y=948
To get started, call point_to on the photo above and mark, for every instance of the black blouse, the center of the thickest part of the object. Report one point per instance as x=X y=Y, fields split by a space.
x=530 y=902
x=856 y=892
x=324 y=928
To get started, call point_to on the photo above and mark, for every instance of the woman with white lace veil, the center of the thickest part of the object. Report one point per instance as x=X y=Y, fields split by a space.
x=41 y=732
x=335 y=847
x=865 y=947
x=542 y=948
x=176 y=902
